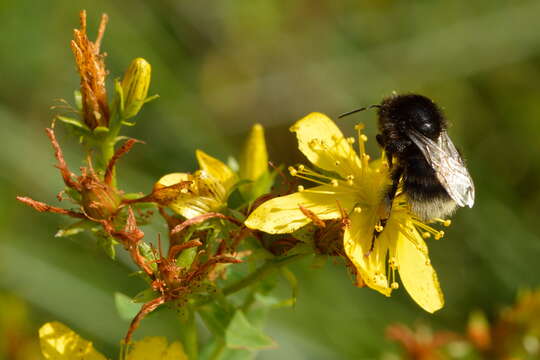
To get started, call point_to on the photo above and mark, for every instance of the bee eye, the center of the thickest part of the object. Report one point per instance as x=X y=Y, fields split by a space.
x=426 y=128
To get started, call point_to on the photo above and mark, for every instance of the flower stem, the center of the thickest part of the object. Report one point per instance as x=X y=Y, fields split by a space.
x=190 y=336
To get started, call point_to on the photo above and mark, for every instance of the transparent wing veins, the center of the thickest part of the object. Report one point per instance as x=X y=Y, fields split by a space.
x=449 y=168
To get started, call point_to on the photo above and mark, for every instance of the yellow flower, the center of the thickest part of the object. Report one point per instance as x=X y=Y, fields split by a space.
x=58 y=342
x=354 y=186
x=208 y=190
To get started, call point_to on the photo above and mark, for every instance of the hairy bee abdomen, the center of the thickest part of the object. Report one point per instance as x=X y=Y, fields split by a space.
x=427 y=197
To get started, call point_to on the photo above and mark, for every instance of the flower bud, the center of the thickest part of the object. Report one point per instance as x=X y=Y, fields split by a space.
x=254 y=157
x=99 y=200
x=135 y=86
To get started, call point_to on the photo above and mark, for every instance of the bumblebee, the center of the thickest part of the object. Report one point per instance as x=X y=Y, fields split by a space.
x=421 y=156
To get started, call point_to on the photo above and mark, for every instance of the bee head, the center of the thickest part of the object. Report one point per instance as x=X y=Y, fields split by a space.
x=417 y=112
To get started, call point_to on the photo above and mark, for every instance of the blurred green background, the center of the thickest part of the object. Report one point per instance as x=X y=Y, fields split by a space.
x=220 y=66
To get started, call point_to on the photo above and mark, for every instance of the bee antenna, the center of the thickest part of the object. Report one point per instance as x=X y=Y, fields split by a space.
x=358 y=110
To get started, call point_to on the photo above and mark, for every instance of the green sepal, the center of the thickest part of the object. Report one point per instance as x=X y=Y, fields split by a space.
x=75 y=228
x=73 y=194
x=127 y=123
x=151 y=98
x=101 y=131
x=80 y=126
x=148 y=254
x=186 y=257
x=107 y=243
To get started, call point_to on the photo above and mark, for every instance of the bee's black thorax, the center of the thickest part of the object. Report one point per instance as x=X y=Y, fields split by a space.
x=398 y=115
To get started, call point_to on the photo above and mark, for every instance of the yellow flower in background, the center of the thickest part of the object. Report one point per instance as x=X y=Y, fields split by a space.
x=354 y=186
x=58 y=342
x=208 y=190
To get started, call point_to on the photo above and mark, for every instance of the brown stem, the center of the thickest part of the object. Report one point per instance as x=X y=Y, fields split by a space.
x=42 y=207
x=176 y=249
x=124 y=149
x=62 y=166
x=145 y=310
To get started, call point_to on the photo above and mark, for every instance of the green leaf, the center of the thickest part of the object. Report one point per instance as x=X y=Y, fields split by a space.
x=241 y=334
x=127 y=309
x=237 y=354
x=216 y=318
x=215 y=350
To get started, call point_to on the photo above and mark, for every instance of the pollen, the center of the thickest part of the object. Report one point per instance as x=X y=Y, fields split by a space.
x=334 y=183
x=293 y=171
x=358 y=209
x=379 y=228
x=359 y=126
x=351 y=140
x=439 y=235
x=363 y=137
x=300 y=188
x=447 y=222
x=426 y=235
x=394 y=285
x=350 y=179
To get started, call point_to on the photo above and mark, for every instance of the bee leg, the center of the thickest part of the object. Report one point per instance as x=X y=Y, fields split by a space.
x=375 y=236
x=391 y=193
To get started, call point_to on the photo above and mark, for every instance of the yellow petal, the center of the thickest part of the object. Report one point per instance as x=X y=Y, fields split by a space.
x=172 y=179
x=282 y=215
x=357 y=242
x=323 y=144
x=416 y=273
x=156 y=347
x=216 y=169
x=58 y=342
x=254 y=158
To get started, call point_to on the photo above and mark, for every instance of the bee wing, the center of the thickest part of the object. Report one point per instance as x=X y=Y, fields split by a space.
x=448 y=165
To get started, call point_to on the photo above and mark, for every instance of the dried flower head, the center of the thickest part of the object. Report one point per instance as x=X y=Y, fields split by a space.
x=91 y=67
